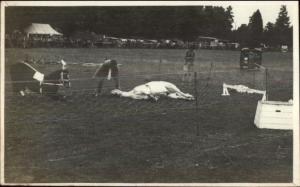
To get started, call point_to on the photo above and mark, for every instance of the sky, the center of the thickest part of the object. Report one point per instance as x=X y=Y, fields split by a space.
x=269 y=13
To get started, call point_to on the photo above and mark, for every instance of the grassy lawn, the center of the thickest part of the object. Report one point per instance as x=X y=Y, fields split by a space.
x=109 y=139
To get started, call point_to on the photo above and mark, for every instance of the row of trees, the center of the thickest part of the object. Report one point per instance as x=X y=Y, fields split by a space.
x=280 y=33
x=184 y=23
x=274 y=34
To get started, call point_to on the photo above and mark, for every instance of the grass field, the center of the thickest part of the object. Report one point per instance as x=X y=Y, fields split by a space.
x=109 y=139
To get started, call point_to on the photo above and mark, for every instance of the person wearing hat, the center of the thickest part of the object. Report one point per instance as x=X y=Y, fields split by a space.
x=109 y=69
x=189 y=64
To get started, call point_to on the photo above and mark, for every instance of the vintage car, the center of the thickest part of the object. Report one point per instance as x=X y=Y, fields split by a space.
x=250 y=58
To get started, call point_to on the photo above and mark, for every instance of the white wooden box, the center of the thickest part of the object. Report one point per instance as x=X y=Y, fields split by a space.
x=274 y=115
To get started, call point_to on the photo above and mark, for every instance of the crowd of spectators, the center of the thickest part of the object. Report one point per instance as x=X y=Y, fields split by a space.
x=92 y=40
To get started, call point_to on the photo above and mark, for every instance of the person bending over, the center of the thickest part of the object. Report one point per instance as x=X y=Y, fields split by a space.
x=107 y=70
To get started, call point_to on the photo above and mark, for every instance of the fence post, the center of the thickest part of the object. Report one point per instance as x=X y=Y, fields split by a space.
x=266 y=83
x=196 y=99
x=196 y=89
x=159 y=68
x=253 y=80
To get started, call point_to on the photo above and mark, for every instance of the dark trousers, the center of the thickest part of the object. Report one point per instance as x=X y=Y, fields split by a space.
x=100 y=84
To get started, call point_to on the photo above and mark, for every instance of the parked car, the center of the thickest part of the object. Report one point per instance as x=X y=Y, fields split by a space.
x=250 y=58
x=284 y=48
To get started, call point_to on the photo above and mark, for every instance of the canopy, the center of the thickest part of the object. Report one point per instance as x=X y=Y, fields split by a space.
x=41 y=29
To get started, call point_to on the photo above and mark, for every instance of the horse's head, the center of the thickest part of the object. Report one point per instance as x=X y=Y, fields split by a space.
x=65 y=78
x=116 y=92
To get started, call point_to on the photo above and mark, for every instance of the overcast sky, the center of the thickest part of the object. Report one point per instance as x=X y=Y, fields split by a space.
x=269 y=11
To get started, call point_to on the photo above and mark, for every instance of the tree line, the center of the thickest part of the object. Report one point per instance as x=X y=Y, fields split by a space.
x=155 y=22
x=273 y=34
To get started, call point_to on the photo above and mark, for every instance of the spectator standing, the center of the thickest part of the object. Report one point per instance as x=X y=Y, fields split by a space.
x=188 y=66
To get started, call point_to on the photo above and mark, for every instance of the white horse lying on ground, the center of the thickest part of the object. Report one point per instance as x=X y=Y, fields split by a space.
x=153 y=90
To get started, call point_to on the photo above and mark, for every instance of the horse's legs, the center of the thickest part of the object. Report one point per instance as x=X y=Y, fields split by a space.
x=18 y=88
x=23 y=89
x=181 y=95
x=139 y=97
x=154 y=97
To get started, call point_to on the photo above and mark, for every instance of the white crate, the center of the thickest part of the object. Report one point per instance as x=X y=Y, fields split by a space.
x=274 y=115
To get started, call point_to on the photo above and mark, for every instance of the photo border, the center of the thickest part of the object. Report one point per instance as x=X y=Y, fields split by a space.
x=295 y=24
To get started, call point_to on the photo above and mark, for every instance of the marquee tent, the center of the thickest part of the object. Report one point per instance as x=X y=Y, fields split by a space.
x=41 y=29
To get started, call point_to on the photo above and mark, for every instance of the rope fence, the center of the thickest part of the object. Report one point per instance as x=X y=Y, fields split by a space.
x=206 y=86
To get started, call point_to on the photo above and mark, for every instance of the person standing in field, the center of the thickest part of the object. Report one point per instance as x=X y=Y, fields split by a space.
x=189 y=64
x=109 y=70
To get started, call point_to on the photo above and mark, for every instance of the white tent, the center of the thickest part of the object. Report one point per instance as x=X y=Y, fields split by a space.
x=41 y=29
